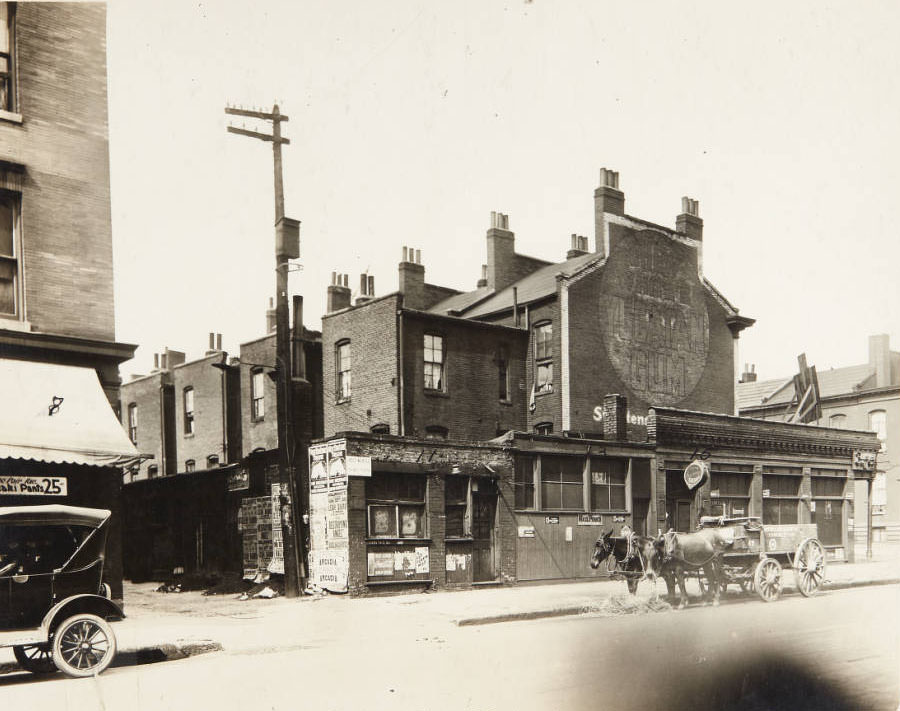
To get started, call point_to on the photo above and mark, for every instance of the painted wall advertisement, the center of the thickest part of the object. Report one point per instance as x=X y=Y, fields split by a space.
x=328 y=523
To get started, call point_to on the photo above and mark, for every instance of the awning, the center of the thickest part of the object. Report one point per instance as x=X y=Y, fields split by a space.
x=59 y=414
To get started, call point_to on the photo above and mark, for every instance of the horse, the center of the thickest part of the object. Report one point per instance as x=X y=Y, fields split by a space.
x=700 y=549
x=630 y=555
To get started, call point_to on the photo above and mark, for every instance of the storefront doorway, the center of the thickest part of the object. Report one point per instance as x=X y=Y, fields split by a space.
x=484 y=510
x=678 y=502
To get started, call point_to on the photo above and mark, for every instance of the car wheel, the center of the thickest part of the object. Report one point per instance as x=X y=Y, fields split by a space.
x=83 y=645
x=35 y=658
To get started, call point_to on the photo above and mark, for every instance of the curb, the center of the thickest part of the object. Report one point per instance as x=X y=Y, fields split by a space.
x=587 y=608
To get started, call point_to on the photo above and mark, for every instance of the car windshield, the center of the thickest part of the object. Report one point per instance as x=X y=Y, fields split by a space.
x=30 y=550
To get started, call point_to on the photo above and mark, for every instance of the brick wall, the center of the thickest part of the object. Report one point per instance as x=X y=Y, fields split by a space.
x=259 y=434
x=145 y=394
x=208 y=437
x=372 y=332
x=62 y=144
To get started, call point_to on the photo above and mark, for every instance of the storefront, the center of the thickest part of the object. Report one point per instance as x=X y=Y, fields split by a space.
x=60 y=443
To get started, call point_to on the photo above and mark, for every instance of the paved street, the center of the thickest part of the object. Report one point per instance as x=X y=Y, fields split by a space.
x=836 y=650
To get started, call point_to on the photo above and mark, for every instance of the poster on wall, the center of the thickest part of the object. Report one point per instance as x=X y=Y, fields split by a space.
x=328 y=519
x=276 y=565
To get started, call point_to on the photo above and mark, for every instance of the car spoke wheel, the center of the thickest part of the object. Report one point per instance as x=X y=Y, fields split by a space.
x=767 y=579
x=809 y=566
x=84 y=645
x=35 y=658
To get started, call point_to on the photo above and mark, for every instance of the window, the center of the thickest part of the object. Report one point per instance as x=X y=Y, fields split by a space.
x=879 y=494
x=212 y=461
x=190 y=465
x=132 y=423
x=434 y=362
x=838 y=422
x=7 y=56
x=781 y=494
x=188 y=397
x=524 y=483
x=396 y=505
x=9 y=253
x=878 y=425
x=562 y=483
x=436 y=432
x=543 y=358
x=608 y=484
x=257 y=395
x=380 y=428
x=456 y=501
x=543 y=428
x=730 y=489
x=152 y=471
x=343 y=373
x=503 y=374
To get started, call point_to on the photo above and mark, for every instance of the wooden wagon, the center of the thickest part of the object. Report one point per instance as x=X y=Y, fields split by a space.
x=759 y=554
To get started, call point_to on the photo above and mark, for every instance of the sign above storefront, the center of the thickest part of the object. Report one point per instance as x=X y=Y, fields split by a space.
x=863 y=461
x=359 y=466
x=34 y=486
x=239 y=479
x=696 y=473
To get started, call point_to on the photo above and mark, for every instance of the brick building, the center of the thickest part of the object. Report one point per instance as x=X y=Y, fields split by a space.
x=857 y=397
x=58 y=351
x=477 y=436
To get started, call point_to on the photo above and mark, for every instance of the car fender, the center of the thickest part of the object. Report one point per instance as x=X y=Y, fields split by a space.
x=93 y=604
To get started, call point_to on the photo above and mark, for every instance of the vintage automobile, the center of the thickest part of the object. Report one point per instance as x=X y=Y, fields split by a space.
x=54 y=608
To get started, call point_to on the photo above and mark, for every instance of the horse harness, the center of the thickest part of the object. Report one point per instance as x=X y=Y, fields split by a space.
x=613 y=564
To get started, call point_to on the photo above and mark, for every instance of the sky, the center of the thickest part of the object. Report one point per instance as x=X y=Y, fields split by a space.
x=411 y=121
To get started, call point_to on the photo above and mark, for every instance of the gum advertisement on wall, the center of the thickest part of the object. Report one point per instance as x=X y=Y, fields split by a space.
x=328 y=528
x=654 y=317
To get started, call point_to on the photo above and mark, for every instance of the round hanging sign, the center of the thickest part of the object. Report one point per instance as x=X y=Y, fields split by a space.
x=696 y=473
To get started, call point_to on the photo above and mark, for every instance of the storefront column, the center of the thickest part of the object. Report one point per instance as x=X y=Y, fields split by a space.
x=756 y=488
x=658 y=484
x=805 y=513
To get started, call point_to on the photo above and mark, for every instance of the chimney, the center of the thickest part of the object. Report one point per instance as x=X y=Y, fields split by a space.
x=218 y=341
x=608 y=200
x=412 y=279
x=155 y=361
x=615 y=425
x=501 y=253
x=271 y=317
x=749 y=374
x=338 y=293
x=212 y=344
x=579 y=246
x=689 y=222
x=880 y=359
x=366 y=289
x=483 y=281
x=171 y=359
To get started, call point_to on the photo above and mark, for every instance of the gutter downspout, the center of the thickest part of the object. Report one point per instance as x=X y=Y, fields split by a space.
x=224 y=381
x=162 y=427
x=400 y=413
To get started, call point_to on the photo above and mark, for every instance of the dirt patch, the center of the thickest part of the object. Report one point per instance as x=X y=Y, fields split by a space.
x=629 y=605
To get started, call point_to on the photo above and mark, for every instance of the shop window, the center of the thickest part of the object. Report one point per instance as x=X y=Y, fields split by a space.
x=188 y=401
x=8 y=56
x=562 y=483
x=543 y=357
x=608 y=478
x=729 y=490
x=190 y=465
x=781 y=496
x=456 y=504
x=543 y=428
x=838 y=422
x=436 y=432
x=823 y=486
x=257 y=395
x=396 y=505
x=524 y=483
x=878 y=425
x=503 y=374
x=132 y=423
x=10 y=247
x=343 y=370
x=434 y=362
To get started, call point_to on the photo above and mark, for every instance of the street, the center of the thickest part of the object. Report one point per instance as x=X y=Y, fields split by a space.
x=836 y=650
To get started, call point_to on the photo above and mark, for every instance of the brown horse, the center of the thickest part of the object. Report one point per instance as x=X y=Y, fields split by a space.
x=629 y=555
x=701 y=549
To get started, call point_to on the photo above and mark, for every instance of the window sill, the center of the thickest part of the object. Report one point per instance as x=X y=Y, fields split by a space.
x=189 y=435
x=344 y=401
x=436 y=393
x=396 y=541
x=507 y=403
x=459 y=539
x=10 y=117
x=11 y=323
x=542 y=393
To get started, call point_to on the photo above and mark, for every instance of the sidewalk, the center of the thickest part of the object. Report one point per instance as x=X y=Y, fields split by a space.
x=175 y=625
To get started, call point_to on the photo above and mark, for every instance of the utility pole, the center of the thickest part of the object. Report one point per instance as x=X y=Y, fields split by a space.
x=287 y=246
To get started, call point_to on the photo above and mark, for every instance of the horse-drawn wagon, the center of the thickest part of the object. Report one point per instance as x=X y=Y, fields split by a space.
x=759 y=553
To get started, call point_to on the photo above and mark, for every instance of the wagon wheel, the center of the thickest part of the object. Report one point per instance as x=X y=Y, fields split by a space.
x=809 y=566
x=84 y=645
x=35 y=658
x=767 y=579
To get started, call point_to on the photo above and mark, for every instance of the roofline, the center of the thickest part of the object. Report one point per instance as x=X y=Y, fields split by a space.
x=373 y=300
x=459 y=319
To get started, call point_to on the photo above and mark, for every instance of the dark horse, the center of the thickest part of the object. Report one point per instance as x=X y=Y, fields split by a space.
x=701 y=549
x=632 y=556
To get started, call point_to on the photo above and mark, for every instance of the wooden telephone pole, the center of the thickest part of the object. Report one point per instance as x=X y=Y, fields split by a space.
x=287 y=247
